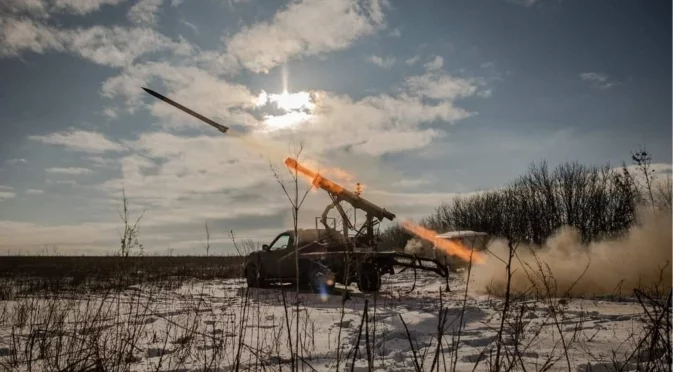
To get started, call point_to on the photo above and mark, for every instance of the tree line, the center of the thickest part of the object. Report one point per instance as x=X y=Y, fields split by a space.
x=599 y=201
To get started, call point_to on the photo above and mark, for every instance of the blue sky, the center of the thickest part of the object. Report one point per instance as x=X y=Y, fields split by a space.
x=419 y=101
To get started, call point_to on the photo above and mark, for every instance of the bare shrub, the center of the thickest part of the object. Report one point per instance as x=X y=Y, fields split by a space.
x=129 y=237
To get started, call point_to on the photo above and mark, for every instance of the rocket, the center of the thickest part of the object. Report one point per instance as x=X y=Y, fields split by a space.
x=204 y=119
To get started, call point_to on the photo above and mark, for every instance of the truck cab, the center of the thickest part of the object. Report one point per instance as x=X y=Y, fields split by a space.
x=276 y=261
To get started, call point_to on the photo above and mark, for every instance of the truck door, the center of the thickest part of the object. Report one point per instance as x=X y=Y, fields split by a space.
x=273 y=261
x=286 y=260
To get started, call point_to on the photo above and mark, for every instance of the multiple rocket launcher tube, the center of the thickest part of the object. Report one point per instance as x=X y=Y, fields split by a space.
x=341 y=193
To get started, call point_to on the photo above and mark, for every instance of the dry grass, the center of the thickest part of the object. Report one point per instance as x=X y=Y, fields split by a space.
x=23 y=275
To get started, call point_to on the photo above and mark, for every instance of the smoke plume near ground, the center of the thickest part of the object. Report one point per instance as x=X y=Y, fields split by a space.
x=641 y=258
x=414 y=246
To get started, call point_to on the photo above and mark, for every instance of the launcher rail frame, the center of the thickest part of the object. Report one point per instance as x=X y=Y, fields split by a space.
x=385 y=261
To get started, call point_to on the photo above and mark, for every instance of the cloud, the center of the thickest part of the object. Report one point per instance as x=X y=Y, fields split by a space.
x=110 y=112
x=6 y=195
x=526 y=3
x=412 y=205
x=435 y=64
x=119 y=46
x=19 y=35
x=46 y=8
x=441 y=86
x=20 y=7
x=115 y=46
x=412 y=61
x=16 y=161
x=70 y=171
x=304 y=28
x=25 y=236
x=184 y=179
x=397 y=141
x=100 y=238
x=395 y=32
x=598 y=80
x=6 y=192
x=82 y=7
x=485 y=93
x=34 y=192
x=658 y=170
x=385 y=123
x=383 y=62
x=410 y=183
x=144 y=12
x=190 y=25
x=376 y=125
x=62 y=182
x=216 y=62
x=593 y=76
x=79 y=140
x=99 y=161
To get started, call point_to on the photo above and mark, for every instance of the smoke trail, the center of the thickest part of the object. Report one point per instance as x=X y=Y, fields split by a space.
x=640 y=258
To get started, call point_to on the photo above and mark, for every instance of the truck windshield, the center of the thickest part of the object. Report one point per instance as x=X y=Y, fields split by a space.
x=281 y=242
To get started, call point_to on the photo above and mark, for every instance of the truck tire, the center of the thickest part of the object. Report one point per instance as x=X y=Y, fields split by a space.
x=320 y=281
x=369 y=278
x=254 y=277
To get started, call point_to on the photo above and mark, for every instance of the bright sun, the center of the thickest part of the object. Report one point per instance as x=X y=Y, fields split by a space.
x=292 y=101
x=297 y=107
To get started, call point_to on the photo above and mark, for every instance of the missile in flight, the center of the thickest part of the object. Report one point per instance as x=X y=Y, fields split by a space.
x=204 y=119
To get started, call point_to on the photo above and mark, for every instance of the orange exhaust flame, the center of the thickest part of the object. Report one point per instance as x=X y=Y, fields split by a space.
x=448 y=246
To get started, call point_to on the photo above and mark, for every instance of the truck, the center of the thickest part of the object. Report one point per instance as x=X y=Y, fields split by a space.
x=326 y=255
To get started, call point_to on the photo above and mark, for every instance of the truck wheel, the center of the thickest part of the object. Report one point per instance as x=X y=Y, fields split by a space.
x=321 y=282
x=253 y=277
x=369 y=279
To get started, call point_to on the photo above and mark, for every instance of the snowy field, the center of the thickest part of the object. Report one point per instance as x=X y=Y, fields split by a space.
x=220 y=325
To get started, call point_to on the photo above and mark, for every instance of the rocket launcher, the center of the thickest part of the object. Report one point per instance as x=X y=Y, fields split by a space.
x=338 y=192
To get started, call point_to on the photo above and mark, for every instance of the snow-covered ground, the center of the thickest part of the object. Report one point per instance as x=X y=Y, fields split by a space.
x=221 y=325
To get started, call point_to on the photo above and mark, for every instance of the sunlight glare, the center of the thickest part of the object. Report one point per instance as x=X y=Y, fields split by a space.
x=292 y=101
x=298 y=108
